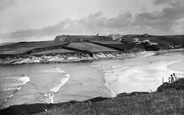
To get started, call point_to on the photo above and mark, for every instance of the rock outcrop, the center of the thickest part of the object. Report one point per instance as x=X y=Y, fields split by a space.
x=176 y=85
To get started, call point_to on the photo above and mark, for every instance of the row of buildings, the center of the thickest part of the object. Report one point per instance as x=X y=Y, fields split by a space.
x=147 y=41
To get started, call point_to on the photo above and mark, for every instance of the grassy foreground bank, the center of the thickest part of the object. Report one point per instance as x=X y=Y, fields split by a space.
x=164 y=103
x=167 y=100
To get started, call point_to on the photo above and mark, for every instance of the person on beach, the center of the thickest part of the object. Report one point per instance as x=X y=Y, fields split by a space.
x=169 y=79
x=175 y=76
x=172 y=78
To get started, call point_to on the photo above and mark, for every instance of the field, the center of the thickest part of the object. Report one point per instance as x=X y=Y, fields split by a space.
x=116 y=45
x=54 y=51
x=23 y=47
x=90 y=47
x=49 y=47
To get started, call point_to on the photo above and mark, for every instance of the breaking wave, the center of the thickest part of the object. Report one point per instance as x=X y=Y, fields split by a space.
x=103 y=68
x=13 y=85
x=55 y=89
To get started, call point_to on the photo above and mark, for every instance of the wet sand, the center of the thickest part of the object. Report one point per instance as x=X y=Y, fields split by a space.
x=178 y=66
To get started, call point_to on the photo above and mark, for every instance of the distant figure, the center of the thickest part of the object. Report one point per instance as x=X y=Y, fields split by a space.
x=50 y=97
x=175 y=76
x=172 y=78
x=169 y=79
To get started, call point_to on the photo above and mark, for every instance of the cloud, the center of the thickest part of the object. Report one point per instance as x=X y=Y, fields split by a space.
x=5 y=3
x=122 y=20
x=92 y=24
x=166 y=21
x=159 y=2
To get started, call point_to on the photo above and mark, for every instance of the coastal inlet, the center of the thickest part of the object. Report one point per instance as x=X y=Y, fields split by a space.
x=55 y=83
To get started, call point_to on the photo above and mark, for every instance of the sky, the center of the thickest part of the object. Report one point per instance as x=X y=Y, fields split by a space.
x=37 y=20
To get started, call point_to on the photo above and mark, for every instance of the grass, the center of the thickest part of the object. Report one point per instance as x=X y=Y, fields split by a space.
x=54 y=51
x=23 y=47
x=164 y=103
x=48 y=47
x=117 y=45
x=98 y=46
x=169 y=102
x=90 y=47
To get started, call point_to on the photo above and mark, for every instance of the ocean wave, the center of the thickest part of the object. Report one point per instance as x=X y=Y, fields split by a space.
x=54 y=70
x=16 y=84
x=62 y=81
x=110 y=90
x=105 y=68
x=58 y=86
x=24 y=79
x=55 y=89
x=11 y=85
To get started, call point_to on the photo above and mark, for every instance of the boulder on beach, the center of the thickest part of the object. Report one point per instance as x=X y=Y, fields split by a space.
x=176 y=85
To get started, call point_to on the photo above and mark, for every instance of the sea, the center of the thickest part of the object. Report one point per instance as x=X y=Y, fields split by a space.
x=63 y=82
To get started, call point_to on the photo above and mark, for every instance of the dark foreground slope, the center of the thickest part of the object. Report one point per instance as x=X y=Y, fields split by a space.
x=165 y=103
x=169 y=101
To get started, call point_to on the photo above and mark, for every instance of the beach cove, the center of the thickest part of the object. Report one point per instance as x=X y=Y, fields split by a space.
x=143 y=73
x=85 y=80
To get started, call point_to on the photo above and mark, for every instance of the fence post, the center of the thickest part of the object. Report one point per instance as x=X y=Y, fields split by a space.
x=162 y=80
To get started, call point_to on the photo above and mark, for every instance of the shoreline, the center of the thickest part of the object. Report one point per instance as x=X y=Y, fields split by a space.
x=64 y=58
x=73 y=58
x=106 y=83
x=169 y=51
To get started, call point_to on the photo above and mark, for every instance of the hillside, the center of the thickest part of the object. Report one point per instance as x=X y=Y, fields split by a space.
x=21 y=48
x=24 y=48
x=163 y=41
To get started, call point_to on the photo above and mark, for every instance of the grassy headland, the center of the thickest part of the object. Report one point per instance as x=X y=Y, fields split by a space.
x=50 y=51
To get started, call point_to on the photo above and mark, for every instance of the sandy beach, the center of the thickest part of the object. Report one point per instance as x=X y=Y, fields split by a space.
x=178 y=66
x=143 y=73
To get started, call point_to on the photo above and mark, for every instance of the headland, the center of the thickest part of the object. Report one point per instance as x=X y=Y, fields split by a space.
x=75 y=48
